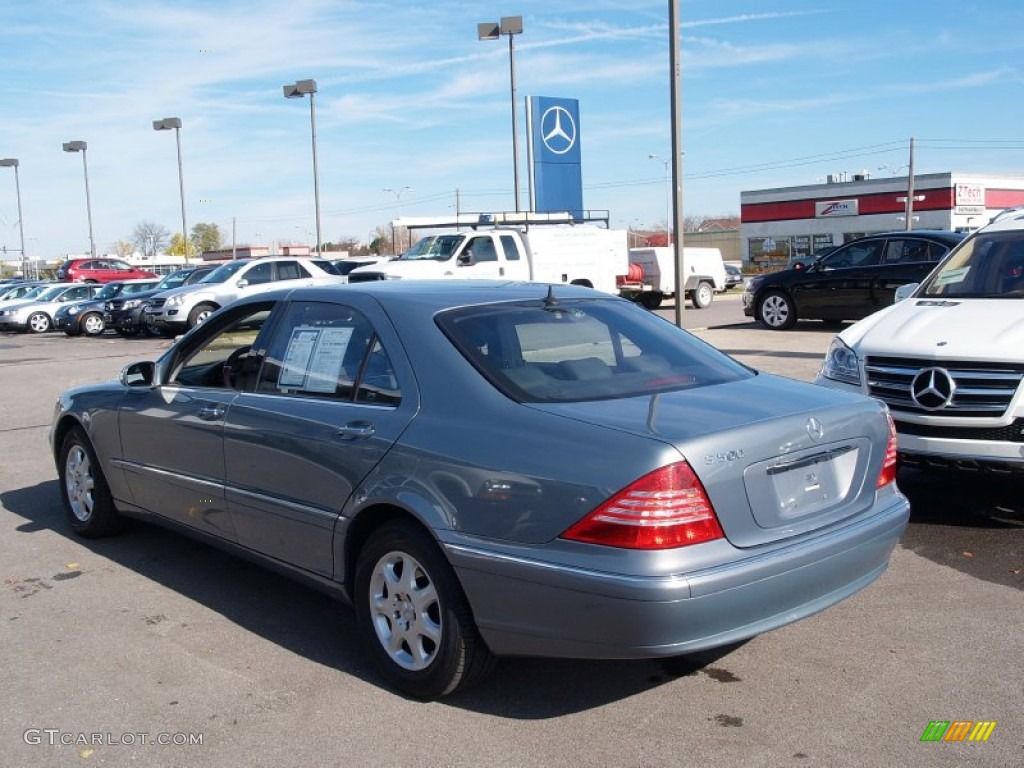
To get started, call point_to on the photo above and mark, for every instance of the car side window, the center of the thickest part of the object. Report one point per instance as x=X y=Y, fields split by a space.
x=327 y=350
x=260 y=273
x=905 y=251
x=221 y=359
x=482 y=249
x=855 y=255
x=508 y=243
x=291 y=270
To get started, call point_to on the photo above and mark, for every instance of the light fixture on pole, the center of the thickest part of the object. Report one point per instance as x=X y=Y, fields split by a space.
x=668 y=195
x=511 y=26
x=165 y=125
x=81 y=146
x=12 y=162
x=297 y=90
x=398 y=214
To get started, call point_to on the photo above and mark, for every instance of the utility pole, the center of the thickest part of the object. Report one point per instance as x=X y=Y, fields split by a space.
x=677 y=154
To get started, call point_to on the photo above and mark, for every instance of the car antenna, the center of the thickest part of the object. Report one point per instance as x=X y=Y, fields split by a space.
x=550 y=300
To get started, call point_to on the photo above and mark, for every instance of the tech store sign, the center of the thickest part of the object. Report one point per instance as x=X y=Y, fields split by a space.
x=835 y=208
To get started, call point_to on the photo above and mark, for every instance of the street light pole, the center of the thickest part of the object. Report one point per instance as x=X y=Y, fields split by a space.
x=296 y=91
x=398 y=213
x=668 y=196
x=12 y=162
x=165 y=125
x=511 y=26
x=81 y=146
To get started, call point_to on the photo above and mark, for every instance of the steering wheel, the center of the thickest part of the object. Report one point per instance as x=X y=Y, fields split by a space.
x=232 y=366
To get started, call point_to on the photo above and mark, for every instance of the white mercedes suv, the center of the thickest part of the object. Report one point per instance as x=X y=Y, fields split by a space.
x=180 y=309
x=949 y=358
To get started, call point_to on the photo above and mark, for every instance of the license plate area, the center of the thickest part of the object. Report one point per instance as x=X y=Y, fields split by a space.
x=808 y=488
x=812 y=484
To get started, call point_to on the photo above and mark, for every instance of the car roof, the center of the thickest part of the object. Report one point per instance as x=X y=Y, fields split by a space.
x=441 y=294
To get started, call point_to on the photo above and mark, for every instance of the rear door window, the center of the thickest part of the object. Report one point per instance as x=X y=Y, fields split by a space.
x=327 y=350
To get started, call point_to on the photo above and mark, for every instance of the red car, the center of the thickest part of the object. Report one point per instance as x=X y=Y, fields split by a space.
x=99 y=271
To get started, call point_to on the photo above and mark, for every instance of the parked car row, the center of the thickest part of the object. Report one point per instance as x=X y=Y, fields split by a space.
x=92 y=303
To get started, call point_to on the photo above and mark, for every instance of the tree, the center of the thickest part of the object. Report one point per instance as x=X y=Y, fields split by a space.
x=380 y=241
x=206 y=237
x=177 y=249
x=149 y=238
x=123 y=248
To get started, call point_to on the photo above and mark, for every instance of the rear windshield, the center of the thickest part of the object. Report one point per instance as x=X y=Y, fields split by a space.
x=594 y=349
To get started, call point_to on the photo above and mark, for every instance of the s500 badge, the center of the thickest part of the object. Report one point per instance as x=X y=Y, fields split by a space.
x=723 y=458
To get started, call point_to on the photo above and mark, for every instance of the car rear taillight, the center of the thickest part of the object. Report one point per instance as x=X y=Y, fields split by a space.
x=891 y=462
x=665 y=509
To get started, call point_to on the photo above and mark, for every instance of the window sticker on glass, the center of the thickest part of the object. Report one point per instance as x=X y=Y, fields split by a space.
x=950 y=276
x=328 y=356
x=296 y=358
x=314 y=358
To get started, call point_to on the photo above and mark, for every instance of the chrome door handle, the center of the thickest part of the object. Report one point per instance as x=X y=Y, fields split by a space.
x=356 y=430
x=212 y=411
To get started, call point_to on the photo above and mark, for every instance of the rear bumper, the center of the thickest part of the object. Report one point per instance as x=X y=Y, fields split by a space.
x=530 y=608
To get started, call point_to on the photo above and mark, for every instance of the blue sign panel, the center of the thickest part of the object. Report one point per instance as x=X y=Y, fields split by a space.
x=555 y=152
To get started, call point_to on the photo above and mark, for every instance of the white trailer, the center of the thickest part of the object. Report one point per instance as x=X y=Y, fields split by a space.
x=651 y=276
x=581 y=254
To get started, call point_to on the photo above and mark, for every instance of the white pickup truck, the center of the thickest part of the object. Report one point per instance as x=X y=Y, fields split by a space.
x=579 y=254
x=652 y=275
x=949 y=358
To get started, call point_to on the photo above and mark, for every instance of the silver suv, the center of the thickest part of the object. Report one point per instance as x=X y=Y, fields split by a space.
x=183 y=308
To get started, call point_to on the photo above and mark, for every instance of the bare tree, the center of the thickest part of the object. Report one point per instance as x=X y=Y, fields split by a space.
x=149 y=238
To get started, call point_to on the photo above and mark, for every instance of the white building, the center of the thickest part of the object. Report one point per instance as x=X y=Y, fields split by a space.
x=780 y=224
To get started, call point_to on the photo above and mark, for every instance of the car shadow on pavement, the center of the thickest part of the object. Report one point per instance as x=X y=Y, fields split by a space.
x=971 y=522
x=317 y=627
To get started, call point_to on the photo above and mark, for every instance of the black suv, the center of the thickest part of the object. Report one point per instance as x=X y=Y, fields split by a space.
x=849 y=283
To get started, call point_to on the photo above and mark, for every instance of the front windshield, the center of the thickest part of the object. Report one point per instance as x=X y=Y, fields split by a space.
x=109 y=291
x=223 y=272
x=173 y=280
x=48 y=294
x=435 y=247
x=988 y=265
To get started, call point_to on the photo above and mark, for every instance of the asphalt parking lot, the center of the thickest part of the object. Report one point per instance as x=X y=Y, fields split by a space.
x=118 y=644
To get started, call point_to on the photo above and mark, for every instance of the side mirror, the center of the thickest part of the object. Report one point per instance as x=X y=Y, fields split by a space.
x=139 y=374
x=242 y=283
x=466 y=259
x=906 y=291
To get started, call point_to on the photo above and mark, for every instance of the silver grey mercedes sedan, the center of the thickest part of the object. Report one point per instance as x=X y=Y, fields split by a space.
x=484 y=469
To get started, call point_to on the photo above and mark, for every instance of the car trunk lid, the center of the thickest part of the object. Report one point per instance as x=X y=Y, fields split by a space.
x=775 y=461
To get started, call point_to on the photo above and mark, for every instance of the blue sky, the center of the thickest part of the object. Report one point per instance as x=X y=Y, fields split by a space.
x=774 y=94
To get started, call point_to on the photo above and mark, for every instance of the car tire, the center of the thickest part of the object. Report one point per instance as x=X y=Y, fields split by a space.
x=413 y=617
x=83 y=488
x=703 y=296
x=92 y=324
x=155 y=332
x=651 y=299
x=776 y=311
x=199 y=314
x=38 y=322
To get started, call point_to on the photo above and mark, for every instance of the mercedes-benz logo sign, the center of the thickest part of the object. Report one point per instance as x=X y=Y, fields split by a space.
x=814 y=429
x=558 y=130
x=933 y=388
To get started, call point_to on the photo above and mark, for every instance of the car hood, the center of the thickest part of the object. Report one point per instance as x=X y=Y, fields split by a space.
x=411 y=269
x=974 y=329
